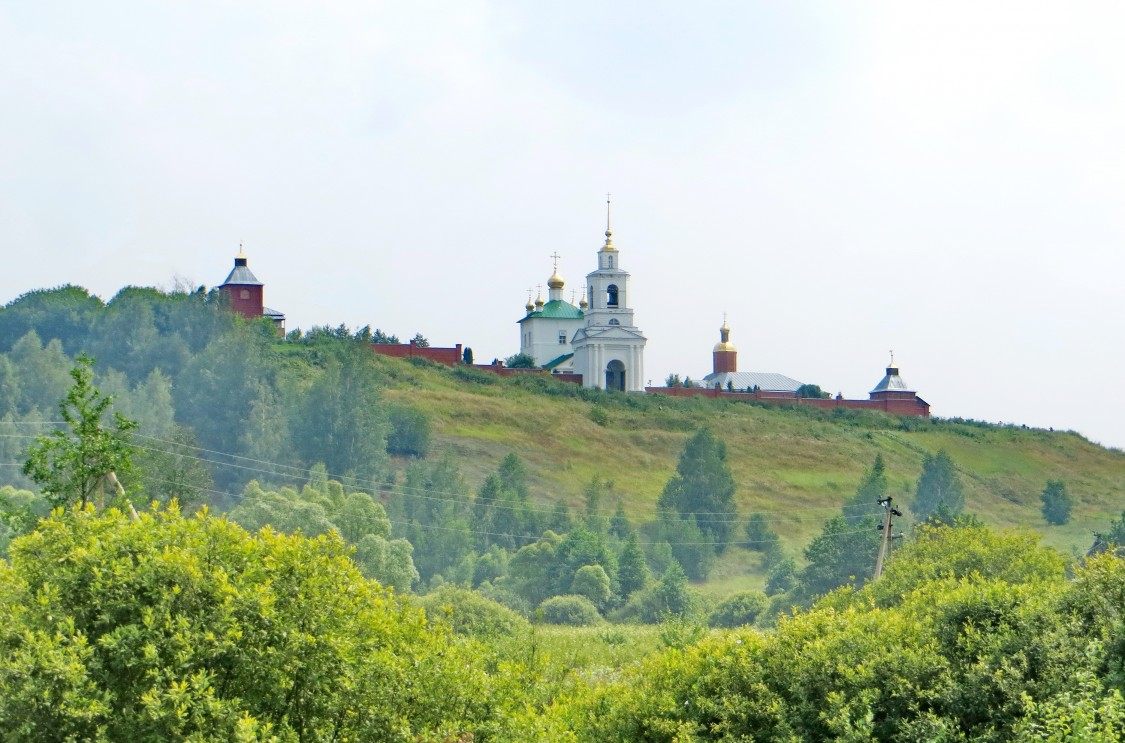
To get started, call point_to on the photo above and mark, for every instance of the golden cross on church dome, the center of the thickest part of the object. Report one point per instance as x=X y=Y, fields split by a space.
x=556 y=257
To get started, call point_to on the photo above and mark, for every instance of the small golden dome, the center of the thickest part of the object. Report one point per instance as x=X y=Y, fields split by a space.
x=539 y=302
x=724 y=344
x=556 y=281
x=529 y=306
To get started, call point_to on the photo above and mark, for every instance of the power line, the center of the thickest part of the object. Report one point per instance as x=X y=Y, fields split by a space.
x=279 y=469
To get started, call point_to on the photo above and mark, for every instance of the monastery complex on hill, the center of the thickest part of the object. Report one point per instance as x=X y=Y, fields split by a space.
x=596 y=343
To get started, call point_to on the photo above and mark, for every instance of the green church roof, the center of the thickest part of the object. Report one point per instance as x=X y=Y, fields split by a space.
x=550 y=365
x=557 y=309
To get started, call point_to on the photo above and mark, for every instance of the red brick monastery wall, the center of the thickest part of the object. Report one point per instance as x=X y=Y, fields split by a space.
x=895 y=403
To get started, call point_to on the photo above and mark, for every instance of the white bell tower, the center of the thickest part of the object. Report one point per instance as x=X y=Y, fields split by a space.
x=609 y=348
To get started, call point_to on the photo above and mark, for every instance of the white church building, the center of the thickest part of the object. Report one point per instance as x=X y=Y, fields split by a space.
x=598 y=338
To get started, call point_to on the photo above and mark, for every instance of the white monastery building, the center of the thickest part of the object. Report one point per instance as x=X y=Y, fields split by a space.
x=596 y=339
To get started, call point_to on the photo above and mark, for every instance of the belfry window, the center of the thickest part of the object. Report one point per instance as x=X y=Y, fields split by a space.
x=609 y=261
x=611 y=295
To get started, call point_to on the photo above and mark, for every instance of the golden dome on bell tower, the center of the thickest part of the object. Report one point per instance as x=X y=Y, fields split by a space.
x=724 y=344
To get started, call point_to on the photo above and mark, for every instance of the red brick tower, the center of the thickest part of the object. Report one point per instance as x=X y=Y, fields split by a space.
x=725 y=356
x=243 y=289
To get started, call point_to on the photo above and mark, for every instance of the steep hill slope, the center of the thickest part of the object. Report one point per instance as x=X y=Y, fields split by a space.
x=797 y=465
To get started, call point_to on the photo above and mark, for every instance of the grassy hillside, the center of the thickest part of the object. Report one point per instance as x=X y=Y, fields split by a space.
x=798 y=465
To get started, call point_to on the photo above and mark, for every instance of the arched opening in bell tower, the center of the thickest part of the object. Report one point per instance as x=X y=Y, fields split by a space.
x=611 y=295
x=615 y=376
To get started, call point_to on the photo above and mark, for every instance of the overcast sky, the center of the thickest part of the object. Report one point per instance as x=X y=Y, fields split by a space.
x=942 y=179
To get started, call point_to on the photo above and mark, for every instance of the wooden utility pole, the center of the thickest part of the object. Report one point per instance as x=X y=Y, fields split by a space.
x=887 y=527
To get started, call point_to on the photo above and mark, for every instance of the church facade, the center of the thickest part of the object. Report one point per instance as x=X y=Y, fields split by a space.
x=548 y=328
x=598 y=339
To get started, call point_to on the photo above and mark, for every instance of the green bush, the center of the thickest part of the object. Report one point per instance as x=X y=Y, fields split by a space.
x=161 y=627
x=469 y=613
x=591 y=582
x=1056 y=503
x=574 y=611
x=739 y=609
x=410 y=432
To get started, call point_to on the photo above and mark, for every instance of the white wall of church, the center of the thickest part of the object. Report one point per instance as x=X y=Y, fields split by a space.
x=539 y=338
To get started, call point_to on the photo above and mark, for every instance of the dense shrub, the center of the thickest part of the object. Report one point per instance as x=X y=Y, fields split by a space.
x=591 y=582
x=469 y=613
x=574 y=611
x=1056 y=503
x=410 y=432
x=171 y=628
x=739 y=609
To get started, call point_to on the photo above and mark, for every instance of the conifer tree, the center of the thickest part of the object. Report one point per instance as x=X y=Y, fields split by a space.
x=703 y=488
x=939 y=487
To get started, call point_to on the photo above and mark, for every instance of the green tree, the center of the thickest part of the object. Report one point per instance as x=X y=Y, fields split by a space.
x=582 y=547
x=782 y=577
x=341 y=420
x=871 y=489
x=574 y=611
x=520 y=361
x=843 y=554
x=76 y=465
x=619 y=525
x=1056 y=503
x=532 y=569
x=632 y=567
x=42 y=372
x=172 y=628
x=410 y=432
x=760 y=537
x=739 y=609
x=388 y=561
x=592 y=582
x=593 y=494
x=171 y=468
x=811 y=391
x=384 y=338
x=65 y=313
x=433 y=501
x=670 y=596
x=467 y=356
x=20 y=510
x=215 y=393
x=703 y=488
x=471 y=614
x=692 y=548
x=939 y=487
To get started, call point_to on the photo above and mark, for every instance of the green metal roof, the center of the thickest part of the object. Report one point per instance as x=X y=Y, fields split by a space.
x=557 y=309
x=550 y=365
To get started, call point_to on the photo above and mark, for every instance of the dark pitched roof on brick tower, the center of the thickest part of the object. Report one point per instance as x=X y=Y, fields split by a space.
x=892 y=382
x=241 y=273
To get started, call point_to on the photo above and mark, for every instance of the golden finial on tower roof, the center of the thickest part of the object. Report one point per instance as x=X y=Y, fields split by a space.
x=608 y=228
